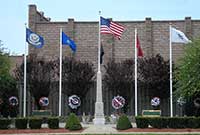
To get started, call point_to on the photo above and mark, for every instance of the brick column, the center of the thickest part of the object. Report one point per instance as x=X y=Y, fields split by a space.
x=71 y=34
x=71 y=28
x=32 y=16
x=188 y=27
x=149 y=41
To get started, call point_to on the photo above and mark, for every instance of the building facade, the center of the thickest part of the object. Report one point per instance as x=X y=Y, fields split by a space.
x=153 y=35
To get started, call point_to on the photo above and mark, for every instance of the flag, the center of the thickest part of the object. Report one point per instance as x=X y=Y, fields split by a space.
x=109 y=27
x=178 y=36
x=139 y=49
x=34 y=39
x=67 y=41
x=101 y=55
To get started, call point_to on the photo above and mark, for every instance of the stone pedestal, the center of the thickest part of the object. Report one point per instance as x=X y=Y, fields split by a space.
x=99 y=118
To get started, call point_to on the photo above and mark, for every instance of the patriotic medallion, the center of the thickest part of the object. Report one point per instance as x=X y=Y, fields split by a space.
x=197 y=102
x=44 y=101
x=74 y=101
x=181 y=101
x=155 y=101
x=118 y=102
x=13 y=101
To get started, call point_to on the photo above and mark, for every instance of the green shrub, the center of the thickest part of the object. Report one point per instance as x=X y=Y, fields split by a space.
x=73 y=122
x=62 y=118
x=142 y=122
x=53 y=122
x=21 y=123
x=177 y=122
x=158 y=122
x=123 y=123
x=197 y=120
x=35 y=123
x=4 y=123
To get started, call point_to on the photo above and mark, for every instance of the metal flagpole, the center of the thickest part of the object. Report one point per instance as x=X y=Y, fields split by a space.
x=24 y=108
x=60 y=77
x=170 y=59
x=135 y=71
x=99 y=109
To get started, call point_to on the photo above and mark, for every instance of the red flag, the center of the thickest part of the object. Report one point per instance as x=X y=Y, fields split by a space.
x=139 y=51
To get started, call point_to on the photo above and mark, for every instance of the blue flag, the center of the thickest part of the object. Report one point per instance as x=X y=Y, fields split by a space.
x=67 y=41
x=34 y=39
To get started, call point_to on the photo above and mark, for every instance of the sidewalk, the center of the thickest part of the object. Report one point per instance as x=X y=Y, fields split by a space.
x=100 y=129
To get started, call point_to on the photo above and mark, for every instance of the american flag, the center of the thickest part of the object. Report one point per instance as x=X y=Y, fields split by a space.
x=109 y=27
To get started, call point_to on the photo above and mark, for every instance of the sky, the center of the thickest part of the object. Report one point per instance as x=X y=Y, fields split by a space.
x=14 y=14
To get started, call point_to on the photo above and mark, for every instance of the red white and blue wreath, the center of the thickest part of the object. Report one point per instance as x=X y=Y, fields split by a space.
x=44 y=101
x=155 y=101
x=13 y=101
x=74 y=101
x=118 y=102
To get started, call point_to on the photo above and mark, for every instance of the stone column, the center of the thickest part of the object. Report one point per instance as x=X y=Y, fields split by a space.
x=188 y=27
x=149 y=42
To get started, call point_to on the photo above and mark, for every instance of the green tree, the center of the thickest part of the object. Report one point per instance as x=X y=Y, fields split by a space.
x=40 y=75
x=7 y=85
x=188 y=71
x=77 y=77
x=119 y=78
x=154 y=74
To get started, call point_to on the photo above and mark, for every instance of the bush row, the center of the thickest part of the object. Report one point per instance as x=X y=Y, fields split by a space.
x=72 y=123
x=168 y=122
x=34 y=123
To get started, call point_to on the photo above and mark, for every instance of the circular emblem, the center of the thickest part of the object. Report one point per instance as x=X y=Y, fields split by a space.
x=181 y=101
x=74 y=101
x=155 y=101
x=34 y=39
x=13 y=101
x=118 y=102
x=44 y=101
x=197 y=102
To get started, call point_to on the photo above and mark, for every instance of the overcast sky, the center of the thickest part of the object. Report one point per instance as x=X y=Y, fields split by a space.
x=14 y=14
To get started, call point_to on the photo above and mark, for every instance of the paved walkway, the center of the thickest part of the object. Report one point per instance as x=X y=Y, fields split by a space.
x=99 y=129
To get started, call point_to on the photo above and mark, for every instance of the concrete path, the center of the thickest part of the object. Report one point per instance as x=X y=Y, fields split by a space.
x=99 y=129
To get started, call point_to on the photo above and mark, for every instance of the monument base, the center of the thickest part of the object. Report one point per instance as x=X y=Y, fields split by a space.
x=99 y=121
x=99 y=118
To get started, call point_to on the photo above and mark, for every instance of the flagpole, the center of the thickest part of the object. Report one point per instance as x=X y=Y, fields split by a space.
x=170 y=59
x=136 y=72
x=99 y=109
x=60 y=76
x=24 y=105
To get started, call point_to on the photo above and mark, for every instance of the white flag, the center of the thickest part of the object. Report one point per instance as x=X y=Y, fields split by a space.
x=178 y=36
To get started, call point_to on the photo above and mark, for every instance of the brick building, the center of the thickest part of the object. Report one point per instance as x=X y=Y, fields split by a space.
x=153 y=35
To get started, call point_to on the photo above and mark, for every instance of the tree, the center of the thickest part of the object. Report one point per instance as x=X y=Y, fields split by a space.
x=78 y=76
x=119 y=78
x=154 y=74
x=7 y=85
x=40 y=75
x=188 y=73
